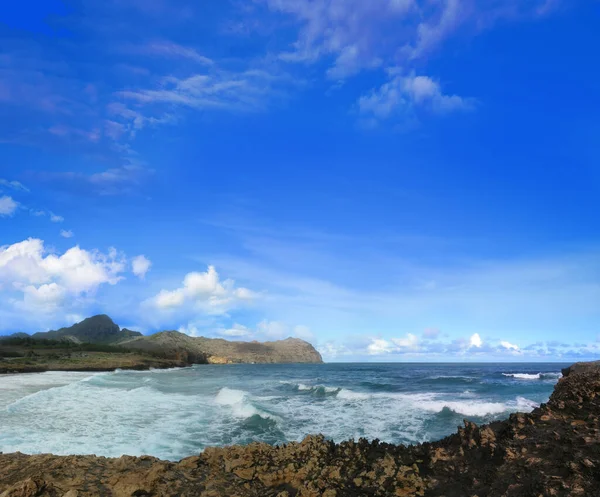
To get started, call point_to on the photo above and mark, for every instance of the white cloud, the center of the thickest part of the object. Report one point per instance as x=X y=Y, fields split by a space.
x=56 y=218
x=509 y=346
x=204 y=291
x=8 y=206
x=402 y=94
x=475 y=340
x=236 y=331
x=15 y=185
x=410 y=341
x=140 y=265
x=190 y=330
x=173 y=50
x=67 y=233
x=333 y=350
x=264 y=331
x=356 y=35
x=380 y=346
x=272 y=329
x=46 y=279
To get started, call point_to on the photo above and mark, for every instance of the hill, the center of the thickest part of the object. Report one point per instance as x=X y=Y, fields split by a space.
x=97 y=329
x=218 y=351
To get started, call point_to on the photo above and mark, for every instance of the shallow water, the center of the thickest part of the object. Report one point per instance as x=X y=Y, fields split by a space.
x=176 y=413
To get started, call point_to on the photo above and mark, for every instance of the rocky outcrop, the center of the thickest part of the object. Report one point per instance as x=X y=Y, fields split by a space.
x=554 y=451
x=218 y=351
x=97 y=329
x=581 y=367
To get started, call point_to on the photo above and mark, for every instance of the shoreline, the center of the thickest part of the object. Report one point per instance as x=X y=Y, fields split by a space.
x=550 y=451
x=93 y=370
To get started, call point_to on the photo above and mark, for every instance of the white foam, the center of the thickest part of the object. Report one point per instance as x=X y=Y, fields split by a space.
x=346 y=394
x=529 y=376
x=525 y=405
x=466 y=408
x=17 y=386
x=308 y=388
x=239 y=403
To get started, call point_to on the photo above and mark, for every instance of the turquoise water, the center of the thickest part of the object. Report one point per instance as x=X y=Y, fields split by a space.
x=176 y=413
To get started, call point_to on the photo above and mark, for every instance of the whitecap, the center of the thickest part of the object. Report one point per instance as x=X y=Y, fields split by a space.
x=239 y=403
x=530 y=376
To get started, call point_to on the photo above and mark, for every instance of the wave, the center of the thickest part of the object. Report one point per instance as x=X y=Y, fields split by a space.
x=239 y=403
x=317 y=389
x=531 y=376
x=346 y=394
x=431 y=403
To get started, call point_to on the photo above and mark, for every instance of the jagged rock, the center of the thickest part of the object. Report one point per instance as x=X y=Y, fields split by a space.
x=554 y=451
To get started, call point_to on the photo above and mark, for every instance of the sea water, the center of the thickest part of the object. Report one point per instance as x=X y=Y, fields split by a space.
x=176 y=413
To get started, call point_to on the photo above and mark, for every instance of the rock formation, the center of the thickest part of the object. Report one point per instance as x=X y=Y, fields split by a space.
x=554 y=451
x=219 y=351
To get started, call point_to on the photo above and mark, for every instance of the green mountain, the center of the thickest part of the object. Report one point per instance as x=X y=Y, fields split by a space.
x=97 y=329
x=14 y=335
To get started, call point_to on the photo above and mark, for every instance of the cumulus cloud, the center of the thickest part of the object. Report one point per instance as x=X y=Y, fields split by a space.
x=140 y=265
x=45 y=279
x=8 y=206
x=509 y=346
x=403 y=94
x=204 y=291
x=67 y=233
x=380 y=346
x=55 y=218
x=475 y=341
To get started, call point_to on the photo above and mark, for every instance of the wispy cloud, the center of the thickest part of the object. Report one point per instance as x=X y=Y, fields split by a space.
x=248 y=90
x=355 y=35
x=15 y=185
x=127 y=179
x=170 y=49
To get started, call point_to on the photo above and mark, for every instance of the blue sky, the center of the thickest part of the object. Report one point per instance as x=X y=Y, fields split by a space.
x=392 y=180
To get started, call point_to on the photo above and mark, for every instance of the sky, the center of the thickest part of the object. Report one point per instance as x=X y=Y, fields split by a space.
x=392 y=180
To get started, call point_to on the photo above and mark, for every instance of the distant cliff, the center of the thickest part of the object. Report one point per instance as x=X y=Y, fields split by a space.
x=218 y=351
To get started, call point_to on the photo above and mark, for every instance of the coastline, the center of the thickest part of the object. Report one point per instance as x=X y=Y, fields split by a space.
x=91 y=363
x=551 y=451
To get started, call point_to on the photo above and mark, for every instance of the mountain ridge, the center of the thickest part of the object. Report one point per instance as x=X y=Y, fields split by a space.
x=174 y=345
x=96 y=329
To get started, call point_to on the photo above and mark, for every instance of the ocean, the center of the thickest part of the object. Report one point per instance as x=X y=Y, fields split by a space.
x=176 y=413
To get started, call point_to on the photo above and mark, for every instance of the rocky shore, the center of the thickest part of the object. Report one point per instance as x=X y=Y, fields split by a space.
x=553 y=451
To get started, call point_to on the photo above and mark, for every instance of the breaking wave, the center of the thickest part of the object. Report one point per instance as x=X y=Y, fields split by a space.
x=530 y=376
